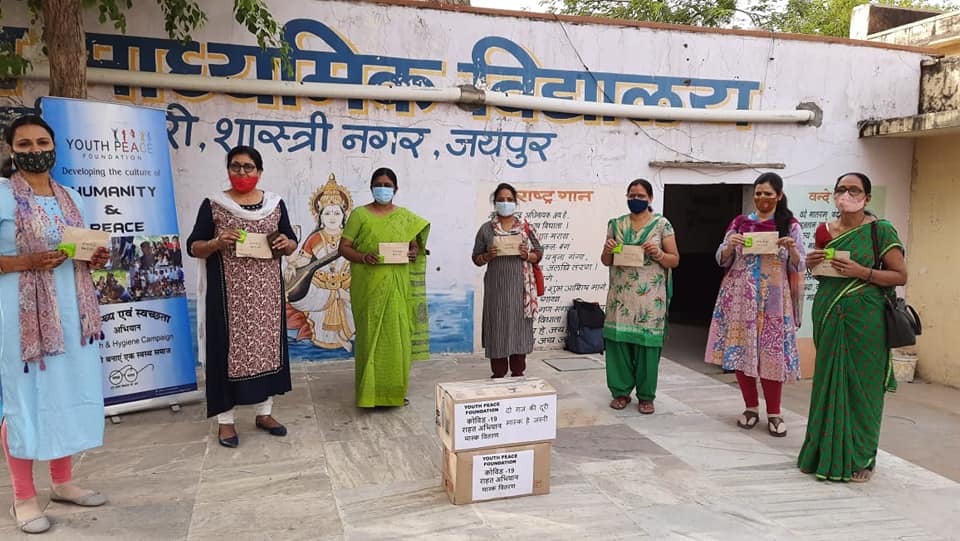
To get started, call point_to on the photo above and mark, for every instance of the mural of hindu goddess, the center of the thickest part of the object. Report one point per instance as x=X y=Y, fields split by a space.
x=318 y=279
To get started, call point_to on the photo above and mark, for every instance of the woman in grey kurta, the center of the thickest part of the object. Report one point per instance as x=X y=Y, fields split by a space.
x=509 y=288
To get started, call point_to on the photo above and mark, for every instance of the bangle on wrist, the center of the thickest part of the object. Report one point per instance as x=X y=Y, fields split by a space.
x=870 y=277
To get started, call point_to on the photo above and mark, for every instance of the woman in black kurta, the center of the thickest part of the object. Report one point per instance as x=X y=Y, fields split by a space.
x=241 y=311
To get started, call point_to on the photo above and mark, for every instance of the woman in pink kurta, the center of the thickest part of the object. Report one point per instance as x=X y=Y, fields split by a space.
x=759 y=306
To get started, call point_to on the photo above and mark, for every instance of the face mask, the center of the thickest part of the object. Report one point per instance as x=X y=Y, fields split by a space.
x=505 y=208
x=765 y=204
x=35 y=162
x=638 y=205
x=847 y=203
x=382 y=194
x=243 y=184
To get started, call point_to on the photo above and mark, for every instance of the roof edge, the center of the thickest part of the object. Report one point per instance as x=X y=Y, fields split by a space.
x=547 y=17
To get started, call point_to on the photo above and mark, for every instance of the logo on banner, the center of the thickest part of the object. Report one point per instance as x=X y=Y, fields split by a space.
x=126 y=144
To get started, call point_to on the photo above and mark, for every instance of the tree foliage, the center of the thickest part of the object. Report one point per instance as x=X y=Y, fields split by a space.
x=180 y=19
x=691 y=12
x=821 y=17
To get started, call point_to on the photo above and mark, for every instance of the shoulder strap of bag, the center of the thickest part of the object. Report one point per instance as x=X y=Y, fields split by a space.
x=874 y=237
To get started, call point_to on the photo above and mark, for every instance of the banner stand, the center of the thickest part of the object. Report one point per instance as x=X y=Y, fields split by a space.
x=117 y=158
x=162 y=402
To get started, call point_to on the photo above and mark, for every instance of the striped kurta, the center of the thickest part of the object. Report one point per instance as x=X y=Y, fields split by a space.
x=505 y=331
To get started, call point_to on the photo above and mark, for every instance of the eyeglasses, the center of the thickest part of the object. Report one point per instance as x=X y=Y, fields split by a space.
x=852 y=190
x=235 y=167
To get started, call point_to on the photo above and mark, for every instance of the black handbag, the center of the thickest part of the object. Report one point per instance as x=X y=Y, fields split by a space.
x=903 y=324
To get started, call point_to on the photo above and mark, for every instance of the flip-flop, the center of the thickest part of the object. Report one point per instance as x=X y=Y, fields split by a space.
x=752 y=418
x=867 y=471
x=620 y=402
x=773 y=424
x=646 y=407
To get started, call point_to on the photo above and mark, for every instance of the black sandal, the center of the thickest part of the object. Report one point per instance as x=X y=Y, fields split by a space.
x=773 y=427
x=752 y=419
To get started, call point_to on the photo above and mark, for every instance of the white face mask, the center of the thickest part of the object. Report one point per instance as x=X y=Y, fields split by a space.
x=505 y=208
x=848 y=203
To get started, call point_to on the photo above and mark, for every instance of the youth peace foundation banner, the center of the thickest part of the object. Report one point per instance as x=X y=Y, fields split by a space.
x=116 y=157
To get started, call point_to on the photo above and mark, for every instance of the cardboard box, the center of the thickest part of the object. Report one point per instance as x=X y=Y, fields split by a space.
x=494 y=474
x=495 y=413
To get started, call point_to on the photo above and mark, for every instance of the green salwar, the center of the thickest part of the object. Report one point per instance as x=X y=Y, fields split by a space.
x=389 y=306
x=853 y=368
x=632 y=366
x=636 y=317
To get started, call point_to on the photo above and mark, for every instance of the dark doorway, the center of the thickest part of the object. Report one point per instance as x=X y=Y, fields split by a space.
x=700 y=215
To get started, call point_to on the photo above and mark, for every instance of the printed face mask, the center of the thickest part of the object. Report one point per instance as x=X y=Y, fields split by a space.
x=765 y=204
x=505 y=208
x=243 y=183
x=382 y=194
x=35 y=162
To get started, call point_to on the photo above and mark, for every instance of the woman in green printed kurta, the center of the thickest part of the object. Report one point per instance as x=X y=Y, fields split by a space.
x=853 y=369
x=637 y=299
x=389 y=300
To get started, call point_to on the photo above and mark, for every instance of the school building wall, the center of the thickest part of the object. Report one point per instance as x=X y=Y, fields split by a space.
x=572 y=171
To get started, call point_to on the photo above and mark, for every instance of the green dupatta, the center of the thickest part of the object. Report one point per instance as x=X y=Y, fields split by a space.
x=853 y=368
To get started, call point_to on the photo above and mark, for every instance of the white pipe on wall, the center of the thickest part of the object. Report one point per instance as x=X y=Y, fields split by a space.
x=646 y=112
x=463 y=95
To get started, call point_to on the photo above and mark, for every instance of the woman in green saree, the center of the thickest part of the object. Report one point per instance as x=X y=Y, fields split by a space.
x=853 y=369
x=389 y=300
x=637 y=299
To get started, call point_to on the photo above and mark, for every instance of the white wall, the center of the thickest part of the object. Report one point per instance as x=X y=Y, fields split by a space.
x=849 y=82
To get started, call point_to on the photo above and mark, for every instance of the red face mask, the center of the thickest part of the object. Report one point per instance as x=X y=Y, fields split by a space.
x=245 y=183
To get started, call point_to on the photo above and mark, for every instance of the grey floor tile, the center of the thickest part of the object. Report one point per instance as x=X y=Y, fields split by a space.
x=353 y=464
x=307 y=517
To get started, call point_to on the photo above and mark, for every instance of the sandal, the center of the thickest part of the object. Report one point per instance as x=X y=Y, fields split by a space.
x=750 y=419
x=865 y=474
x=646 y=407
x=620 y=402
x=773 y=427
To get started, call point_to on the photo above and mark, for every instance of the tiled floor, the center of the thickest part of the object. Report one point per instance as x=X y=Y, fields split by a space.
x=342 y=473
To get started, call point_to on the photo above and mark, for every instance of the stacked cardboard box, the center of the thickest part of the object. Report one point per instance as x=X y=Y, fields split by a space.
x=496 y=436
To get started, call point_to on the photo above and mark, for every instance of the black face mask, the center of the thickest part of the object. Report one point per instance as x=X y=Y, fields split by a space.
x=35 y=162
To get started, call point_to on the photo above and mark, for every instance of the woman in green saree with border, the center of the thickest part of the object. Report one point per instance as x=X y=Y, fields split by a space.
x=389 y=300
x=853 y=369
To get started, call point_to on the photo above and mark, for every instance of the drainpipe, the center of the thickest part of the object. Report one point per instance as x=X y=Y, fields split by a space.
x=466 y=96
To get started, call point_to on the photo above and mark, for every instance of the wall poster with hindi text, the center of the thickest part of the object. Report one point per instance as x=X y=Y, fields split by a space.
x=572 y=223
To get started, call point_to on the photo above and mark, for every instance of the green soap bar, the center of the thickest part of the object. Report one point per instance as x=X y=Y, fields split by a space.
x=830 y=253
x=69 y=249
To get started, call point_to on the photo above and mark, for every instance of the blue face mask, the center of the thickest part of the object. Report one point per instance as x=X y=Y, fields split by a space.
x=505 y=208
x=382 y=194
x=638 y=205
